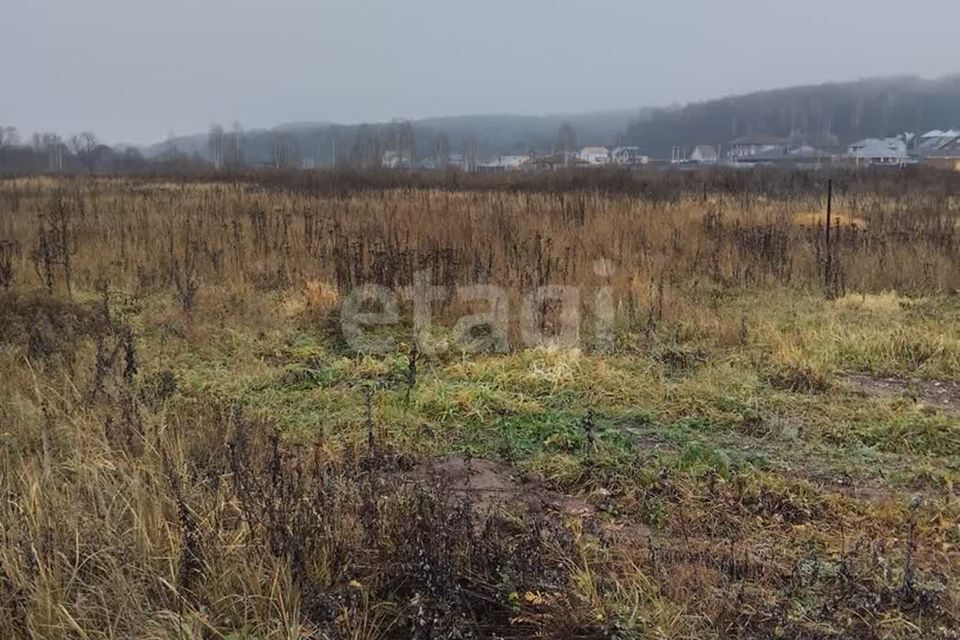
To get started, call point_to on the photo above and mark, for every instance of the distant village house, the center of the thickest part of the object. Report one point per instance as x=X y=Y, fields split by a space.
x=505 y=163
x=595 y=155
x=946 y=156
x=628 y=156
x=705 y=154
x=940 y=149
x=879 y=151
x=754 y=144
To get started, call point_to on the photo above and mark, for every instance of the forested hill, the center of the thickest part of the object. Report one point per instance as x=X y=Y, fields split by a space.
x=836 y=113
x=828 y=115
x=316 y=142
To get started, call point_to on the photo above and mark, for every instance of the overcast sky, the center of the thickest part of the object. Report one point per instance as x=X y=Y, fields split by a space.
x=135 y=70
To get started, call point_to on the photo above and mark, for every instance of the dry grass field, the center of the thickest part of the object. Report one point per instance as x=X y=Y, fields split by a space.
x=762 y=441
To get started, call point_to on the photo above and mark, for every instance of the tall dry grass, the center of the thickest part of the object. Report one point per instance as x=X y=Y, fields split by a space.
x=131 y=511
x=144 y=237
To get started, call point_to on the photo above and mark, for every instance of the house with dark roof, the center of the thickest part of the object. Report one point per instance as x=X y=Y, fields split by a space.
x=796 y=156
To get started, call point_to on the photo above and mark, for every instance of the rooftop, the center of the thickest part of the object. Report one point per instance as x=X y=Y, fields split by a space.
x=879 y=148
x=949 y=150
x=787 y=155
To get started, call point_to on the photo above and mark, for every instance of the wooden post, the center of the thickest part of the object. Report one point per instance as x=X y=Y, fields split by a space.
x=827 y=274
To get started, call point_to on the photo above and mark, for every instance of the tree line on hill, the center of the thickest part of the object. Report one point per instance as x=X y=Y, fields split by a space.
x=826 y=115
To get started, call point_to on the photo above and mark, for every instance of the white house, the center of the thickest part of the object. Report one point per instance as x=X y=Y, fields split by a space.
x=628 y=156
x=879 y=151
x=595 y=155
x=395 y=160
x=505 y=163
x=705 y=154
x=512 y=162
x=754 y=144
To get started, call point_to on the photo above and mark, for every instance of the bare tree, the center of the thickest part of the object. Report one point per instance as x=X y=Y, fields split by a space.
x=442 y=151
x=335 y=136
x=8 y=138
x=286 y=153
x=401 y=143
x=406 y=144
x=216 y=140
x=235 y=147
x=171 y=152
x=567 y=141
x=470 y=152
x=366 y=152
x=84 y=145
x=51 y=146
x=132 y=160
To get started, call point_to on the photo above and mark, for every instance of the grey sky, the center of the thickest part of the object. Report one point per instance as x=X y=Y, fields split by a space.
x=133 y=70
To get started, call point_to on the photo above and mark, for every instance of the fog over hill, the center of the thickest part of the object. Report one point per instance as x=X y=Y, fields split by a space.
x=493 y=134
x=828 y=114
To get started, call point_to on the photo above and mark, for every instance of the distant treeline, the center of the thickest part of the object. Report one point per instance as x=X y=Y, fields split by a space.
x=82 y=153
x=433 y=139
x=827 y=115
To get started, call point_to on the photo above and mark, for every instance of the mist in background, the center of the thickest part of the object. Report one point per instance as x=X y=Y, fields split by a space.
x=134 y=71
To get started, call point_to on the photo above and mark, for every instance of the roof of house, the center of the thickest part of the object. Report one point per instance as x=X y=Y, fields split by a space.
x=948 y=150
x=594 y=151
x=507 y=160
x=879 y=148
x=787 y=155
x=946 y=141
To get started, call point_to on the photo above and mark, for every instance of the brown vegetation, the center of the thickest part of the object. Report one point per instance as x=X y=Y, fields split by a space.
x=190 y=451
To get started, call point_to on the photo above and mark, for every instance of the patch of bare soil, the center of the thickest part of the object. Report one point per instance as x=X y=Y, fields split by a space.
x=488 y=484
x=491 y=485
x=863 y=491
x=943 y=395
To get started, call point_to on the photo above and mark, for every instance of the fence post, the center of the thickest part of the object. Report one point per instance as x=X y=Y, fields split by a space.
x=828 y=270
